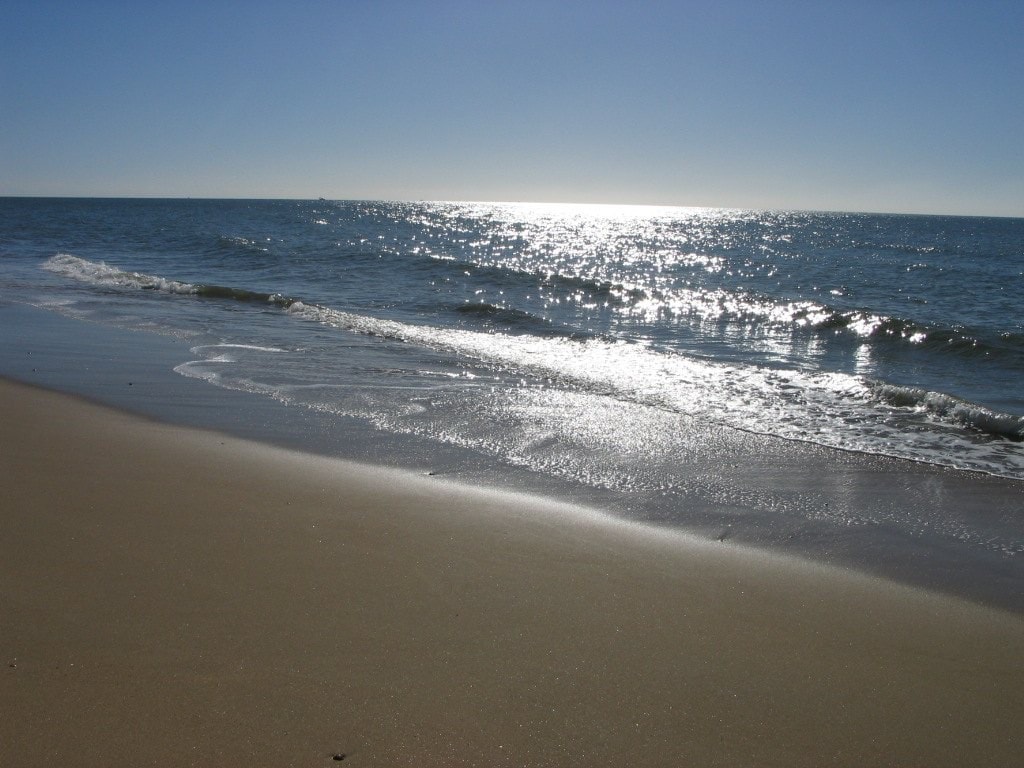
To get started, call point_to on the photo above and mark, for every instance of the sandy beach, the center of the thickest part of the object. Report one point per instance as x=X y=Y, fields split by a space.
x=177 y=597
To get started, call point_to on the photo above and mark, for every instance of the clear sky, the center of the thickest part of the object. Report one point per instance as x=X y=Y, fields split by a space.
x=853 y=105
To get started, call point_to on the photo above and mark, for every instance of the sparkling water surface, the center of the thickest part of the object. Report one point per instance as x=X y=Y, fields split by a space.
x=890 y=334
x=634 y=349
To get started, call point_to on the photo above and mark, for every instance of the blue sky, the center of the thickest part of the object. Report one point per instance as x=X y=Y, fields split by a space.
x=872 y=106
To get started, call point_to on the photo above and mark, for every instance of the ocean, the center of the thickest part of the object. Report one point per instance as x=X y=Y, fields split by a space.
x=842 y=386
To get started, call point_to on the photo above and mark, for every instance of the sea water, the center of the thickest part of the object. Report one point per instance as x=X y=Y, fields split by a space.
x=646 y=352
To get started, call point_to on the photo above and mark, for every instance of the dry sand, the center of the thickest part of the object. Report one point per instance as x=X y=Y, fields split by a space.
x=172 y=597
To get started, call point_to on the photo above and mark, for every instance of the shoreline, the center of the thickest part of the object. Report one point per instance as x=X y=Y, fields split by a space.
x=796 y=499
x=185 y=597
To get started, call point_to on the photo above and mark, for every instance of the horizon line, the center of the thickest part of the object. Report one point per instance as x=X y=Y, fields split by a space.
x=160 y=196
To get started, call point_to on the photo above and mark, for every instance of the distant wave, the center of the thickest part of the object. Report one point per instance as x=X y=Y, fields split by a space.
x=513 y=320
x=748 y=308
x=233 y=244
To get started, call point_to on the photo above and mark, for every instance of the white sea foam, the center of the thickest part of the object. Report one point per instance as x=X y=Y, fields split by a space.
x=952 y=409
x=252 y=347
x=99 y=273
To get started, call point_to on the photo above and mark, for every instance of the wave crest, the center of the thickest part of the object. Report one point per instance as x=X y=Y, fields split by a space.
x=100 y=273
x=953 y=409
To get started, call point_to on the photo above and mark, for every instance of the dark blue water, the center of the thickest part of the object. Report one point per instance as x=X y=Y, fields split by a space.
x=717 y=369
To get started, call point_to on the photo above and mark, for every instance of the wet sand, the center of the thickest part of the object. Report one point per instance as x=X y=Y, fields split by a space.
x=177 y=597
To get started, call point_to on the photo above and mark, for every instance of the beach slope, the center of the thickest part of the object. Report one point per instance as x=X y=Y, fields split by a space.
x=176 y=597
